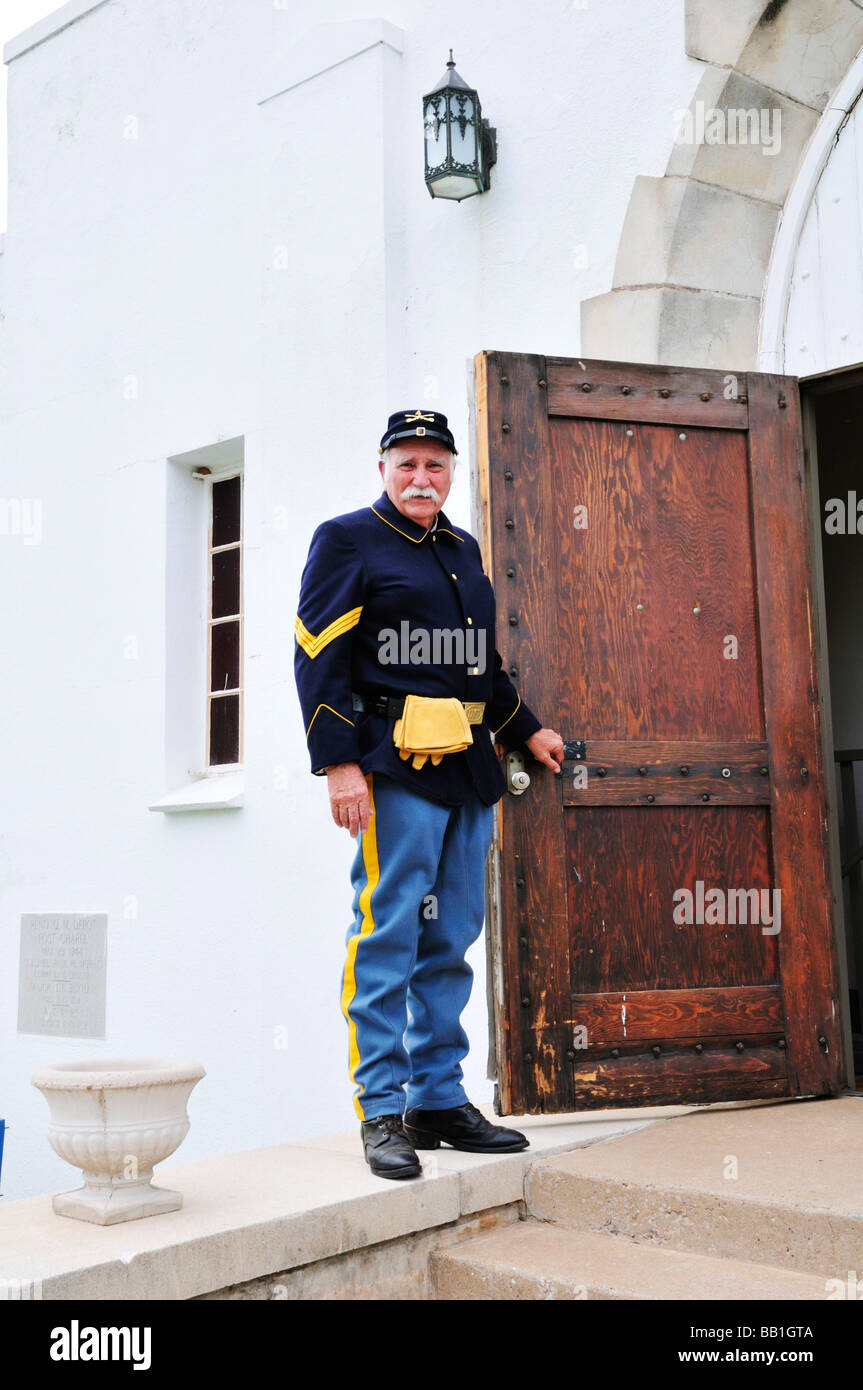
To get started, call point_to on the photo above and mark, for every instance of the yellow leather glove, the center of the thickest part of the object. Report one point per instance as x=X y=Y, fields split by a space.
x=430 y=727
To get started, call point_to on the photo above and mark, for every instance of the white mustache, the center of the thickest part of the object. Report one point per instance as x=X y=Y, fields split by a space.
x=430 y=492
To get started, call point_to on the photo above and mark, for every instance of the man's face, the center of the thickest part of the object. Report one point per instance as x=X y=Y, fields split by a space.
x=418 y=466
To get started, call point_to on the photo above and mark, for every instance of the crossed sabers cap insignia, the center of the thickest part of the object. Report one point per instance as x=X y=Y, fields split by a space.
x=418 y=415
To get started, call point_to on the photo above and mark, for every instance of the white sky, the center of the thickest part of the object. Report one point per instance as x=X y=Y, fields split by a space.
x=15 y=15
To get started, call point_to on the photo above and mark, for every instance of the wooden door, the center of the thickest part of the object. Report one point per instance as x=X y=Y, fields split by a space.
x=645 y=529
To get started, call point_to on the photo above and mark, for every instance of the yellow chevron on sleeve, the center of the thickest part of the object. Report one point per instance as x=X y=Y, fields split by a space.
x=312 y=645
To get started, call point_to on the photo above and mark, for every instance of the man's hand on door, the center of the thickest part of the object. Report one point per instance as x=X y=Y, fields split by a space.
x=546 y=746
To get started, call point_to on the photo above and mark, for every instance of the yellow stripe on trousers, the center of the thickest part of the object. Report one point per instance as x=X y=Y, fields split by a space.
x=367 y=926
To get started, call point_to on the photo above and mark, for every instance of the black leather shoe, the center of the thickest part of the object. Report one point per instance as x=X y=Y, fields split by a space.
x=465 y=1128
x=388 y=1152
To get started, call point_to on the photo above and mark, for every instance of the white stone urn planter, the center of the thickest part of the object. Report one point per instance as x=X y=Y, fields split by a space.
x=115 y=1118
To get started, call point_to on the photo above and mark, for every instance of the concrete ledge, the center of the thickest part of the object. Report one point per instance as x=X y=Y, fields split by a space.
x=793 y=1198
x=399 y=1269
x=672 y=327
x=535 y=1262
x=267 y=1211
x=220 y=791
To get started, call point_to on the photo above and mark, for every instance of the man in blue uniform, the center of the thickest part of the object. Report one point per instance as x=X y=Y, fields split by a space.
x=402 y=692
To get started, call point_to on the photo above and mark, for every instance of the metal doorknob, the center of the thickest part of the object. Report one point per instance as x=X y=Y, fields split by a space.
x=517 y=778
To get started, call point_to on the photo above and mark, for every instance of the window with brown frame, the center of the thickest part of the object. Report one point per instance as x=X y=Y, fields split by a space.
x=225 y=623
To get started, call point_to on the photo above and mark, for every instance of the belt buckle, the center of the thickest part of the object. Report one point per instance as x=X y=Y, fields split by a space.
x=474 y=710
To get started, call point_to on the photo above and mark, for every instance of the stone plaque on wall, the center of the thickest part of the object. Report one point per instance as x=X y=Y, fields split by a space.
x=61 y=974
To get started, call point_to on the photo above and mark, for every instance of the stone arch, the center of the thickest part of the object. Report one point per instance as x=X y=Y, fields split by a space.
x=693 y=258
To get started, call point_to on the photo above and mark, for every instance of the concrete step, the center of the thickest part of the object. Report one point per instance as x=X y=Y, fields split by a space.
x=778 y=1184
x=536 y=1261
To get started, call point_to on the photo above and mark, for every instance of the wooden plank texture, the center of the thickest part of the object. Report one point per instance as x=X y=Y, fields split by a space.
x=663 y=1014
x=514 y=454
x=713 y=1075
x=667 y=772
x=627 y=391
x=798 y=807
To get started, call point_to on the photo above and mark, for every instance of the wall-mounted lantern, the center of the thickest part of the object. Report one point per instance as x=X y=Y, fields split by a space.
x=460 y=147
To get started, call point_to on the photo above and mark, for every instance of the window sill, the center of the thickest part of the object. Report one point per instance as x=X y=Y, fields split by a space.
x=215 y=792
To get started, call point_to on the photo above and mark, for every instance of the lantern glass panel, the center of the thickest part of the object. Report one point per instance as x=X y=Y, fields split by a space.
x=435 y=131
x=455 y=186
x=462 y=128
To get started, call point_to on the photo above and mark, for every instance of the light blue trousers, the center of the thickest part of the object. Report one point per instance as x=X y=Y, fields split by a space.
x=418 y=905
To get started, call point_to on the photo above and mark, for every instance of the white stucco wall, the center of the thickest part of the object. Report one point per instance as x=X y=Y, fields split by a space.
x=262 y=260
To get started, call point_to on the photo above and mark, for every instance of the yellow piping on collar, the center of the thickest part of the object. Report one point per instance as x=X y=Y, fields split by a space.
x=417 y=540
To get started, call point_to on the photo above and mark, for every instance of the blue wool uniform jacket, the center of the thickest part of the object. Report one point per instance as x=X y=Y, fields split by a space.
x=373 y=584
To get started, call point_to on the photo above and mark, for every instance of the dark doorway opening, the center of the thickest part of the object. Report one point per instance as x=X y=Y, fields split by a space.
x=833 y=426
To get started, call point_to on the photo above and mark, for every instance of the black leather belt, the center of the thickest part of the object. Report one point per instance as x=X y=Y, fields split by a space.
x=392 y=706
